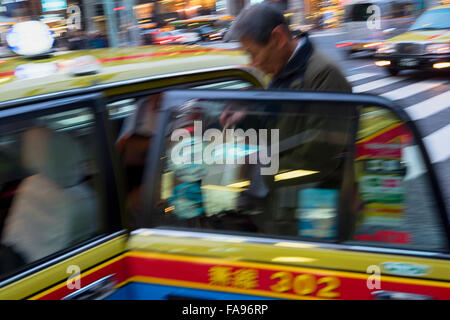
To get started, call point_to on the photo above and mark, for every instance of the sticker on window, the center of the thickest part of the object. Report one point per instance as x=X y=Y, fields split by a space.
x=317 y=213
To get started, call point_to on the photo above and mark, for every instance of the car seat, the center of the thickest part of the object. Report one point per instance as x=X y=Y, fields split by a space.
x=52 y=209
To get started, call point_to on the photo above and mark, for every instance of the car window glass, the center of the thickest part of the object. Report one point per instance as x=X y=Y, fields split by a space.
x=133 y=122
x=51 y=189
x=221 y=177
x=358 y=12
x=396 y=203
x=434 y=19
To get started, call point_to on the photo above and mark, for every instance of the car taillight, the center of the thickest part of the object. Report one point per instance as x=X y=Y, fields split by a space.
x=346 y=44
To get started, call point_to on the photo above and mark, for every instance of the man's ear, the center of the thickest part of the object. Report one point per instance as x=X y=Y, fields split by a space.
x=279 y=36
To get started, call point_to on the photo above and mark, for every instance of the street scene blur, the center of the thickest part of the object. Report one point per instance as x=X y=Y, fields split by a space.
x=347 y=102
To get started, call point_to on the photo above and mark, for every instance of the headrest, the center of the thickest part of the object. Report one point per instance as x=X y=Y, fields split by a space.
x=53 y=154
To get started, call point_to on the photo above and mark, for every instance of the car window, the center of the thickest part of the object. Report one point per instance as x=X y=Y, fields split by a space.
x=133 y=122
x=321 y=182
x=434 y=19
x=278 y=170
x=52 y=193
x=358 y=12
x=395 y=199
x=207 y=30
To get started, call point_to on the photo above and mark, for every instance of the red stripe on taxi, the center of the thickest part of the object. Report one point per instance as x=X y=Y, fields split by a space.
x=6 y=74
x=273 y=280
x=252 y=278
x=437 y=35
x=139 y=56
x=116 y=268
x=158 y=54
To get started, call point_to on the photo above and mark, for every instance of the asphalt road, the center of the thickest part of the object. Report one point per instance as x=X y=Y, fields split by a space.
x=425 y=96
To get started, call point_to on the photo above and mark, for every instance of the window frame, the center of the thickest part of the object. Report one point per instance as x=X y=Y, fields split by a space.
x=112 y=216
x=146 y=88
x=153 y=161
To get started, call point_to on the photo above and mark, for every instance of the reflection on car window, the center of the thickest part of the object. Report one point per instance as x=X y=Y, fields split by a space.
x=396 y=205
x=50 y=186
x=277 y=169
x=133 y=123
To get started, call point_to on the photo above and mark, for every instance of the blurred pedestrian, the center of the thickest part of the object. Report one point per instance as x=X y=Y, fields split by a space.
x=295 y=64
x=96 y=40
x=292 y=62
x=61 y=43
x=78 y=41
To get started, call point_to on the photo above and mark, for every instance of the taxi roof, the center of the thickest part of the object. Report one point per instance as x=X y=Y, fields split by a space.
x=116 y=65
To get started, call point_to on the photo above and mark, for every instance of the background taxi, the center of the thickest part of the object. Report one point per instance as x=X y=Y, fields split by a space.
x=93 y=207
x=426 y=45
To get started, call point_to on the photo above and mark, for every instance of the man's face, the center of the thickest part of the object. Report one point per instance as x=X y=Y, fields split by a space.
x=263 y=57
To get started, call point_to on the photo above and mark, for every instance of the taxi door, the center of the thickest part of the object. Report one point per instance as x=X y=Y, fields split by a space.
x=61 y=235
x=318 y=196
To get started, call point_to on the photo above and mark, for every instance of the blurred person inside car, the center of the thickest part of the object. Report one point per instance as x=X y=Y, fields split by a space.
x=133 y=143
x=53 y=208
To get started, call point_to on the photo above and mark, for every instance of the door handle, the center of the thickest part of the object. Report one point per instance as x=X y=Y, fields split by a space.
x=97 y=290
x=393 y=295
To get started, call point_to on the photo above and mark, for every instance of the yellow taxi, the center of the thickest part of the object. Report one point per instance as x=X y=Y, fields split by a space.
x=97 y=203
x=425 y=46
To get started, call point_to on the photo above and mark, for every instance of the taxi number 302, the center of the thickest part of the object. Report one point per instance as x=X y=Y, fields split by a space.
x=306 y=284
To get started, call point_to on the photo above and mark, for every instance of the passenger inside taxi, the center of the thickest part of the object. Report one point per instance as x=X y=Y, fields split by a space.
x=132 y=143
x=53 y=208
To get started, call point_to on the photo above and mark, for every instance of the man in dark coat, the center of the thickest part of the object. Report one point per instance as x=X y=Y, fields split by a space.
x=293 y=64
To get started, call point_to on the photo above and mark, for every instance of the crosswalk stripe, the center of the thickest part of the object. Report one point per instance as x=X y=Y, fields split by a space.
x=376 y=84
x=361 y=67
x=360 y=76
x=412 y=89
x=412 y=156
x=435 y=144
x=429 y=107
x=317 y=35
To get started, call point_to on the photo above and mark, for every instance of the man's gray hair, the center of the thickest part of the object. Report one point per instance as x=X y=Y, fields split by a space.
x=256 y=22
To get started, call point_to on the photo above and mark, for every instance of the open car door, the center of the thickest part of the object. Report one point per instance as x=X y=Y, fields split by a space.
x=61 y=226
x=297 y=195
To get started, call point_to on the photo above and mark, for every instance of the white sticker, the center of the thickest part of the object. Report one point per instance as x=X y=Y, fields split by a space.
x=405 y=269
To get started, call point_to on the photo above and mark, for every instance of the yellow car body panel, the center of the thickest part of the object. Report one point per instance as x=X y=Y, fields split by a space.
x=428 y=36
x=58 y=274
x=289 y=253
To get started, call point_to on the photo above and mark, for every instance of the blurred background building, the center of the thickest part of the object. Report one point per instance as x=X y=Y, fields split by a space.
x=121 y=22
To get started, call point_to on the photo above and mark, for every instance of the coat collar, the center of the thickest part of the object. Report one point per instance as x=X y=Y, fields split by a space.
x=296 y=65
